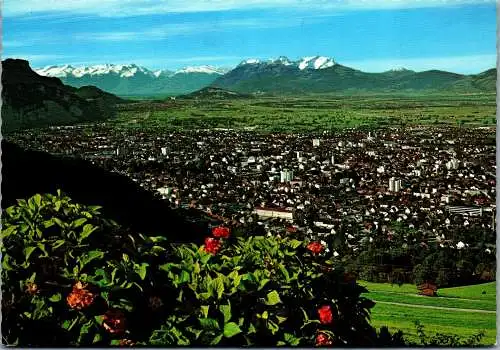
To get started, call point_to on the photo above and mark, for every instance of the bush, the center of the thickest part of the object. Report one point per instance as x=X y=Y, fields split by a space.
x=73 y=278
x=444 y=340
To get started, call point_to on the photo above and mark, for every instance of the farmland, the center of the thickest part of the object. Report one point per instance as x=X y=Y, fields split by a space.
x=297 y=114
x=460 y=310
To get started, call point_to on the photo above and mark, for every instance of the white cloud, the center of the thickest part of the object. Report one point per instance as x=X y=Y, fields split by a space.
x=188 y=28
x=458 y=64
x=111 y=8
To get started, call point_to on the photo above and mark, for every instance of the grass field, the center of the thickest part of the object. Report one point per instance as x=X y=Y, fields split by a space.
x=290 y=114
x=461 y=310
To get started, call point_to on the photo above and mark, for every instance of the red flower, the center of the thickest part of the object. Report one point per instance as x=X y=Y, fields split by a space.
x=325 y=314
x=315 y=247
x=221 y=232
x=212 y=245
x=323 y=340
x=114 y=321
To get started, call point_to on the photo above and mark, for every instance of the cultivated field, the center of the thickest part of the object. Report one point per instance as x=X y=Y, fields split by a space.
x=291 y=114
x=461 y=310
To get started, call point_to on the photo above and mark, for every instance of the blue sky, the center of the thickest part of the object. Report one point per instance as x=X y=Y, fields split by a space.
x=371 y=35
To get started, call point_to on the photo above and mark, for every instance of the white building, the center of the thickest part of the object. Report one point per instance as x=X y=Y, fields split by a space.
x=267 y=213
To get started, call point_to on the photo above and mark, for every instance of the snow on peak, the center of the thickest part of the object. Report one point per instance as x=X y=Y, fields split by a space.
x=399 y=69
x=250 y=61
x=201 y=69
x=282 y=60
x=123 y=70
x=316 y=62
x=55 y=71
x=312 y=62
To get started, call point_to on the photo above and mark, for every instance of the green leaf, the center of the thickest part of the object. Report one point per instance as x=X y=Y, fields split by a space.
x=78 y=222
x=58 y=243
x=281 y=319
x=99 y=319
x=141 y=270
x=157 y=239
x=185 y=277
x=263 y=283
x=231 y=329
x=5 y=263
x=273 y=298
x=284 y=271
x=55 y=298
x=251 y=329
x=42 y=248
x=273 y=327
x=68 y=325
x=226 y=311
x=204 y=310
x=97 y=338
x=88 y=229
x=216 y=340
x=8 y=231
x=59 y=222
x=217 y=287
x=28 y=251
x=88 y=257
x=295 y=243
x=291 y=339
x=205 y=257
x=209 y=324
x=38 y=200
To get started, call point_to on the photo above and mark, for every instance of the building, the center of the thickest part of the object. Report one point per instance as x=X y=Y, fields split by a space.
x=286 y=175
x=268 y=213
x=315 y=142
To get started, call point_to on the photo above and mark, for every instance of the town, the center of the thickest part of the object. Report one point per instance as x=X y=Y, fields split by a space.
x=437 y=181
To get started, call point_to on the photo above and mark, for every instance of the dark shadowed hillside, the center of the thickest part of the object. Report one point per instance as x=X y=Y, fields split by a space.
x=26 y=172
x=31 y=100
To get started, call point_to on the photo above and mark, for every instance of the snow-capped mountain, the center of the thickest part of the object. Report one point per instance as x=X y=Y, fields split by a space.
x=313 y=62
x=123 y=70
x=202 y=69
x=131 y=79
x=316 y=62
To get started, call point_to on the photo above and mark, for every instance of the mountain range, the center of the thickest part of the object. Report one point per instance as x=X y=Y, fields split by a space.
x=31 y=100
x=315 y=74
x=134 y=80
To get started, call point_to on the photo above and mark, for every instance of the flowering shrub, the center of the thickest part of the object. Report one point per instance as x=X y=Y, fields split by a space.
x=71 y=277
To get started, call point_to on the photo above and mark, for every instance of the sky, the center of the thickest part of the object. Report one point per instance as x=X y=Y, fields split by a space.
x=371 y=35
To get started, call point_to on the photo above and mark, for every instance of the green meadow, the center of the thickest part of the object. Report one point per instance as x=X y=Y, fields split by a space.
x=309 y=114
x=464 y=311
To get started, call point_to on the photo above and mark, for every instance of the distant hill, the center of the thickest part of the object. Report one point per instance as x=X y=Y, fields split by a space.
x=214 y=93
x=134 y=80
x=31 y=100
x=286 y=77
